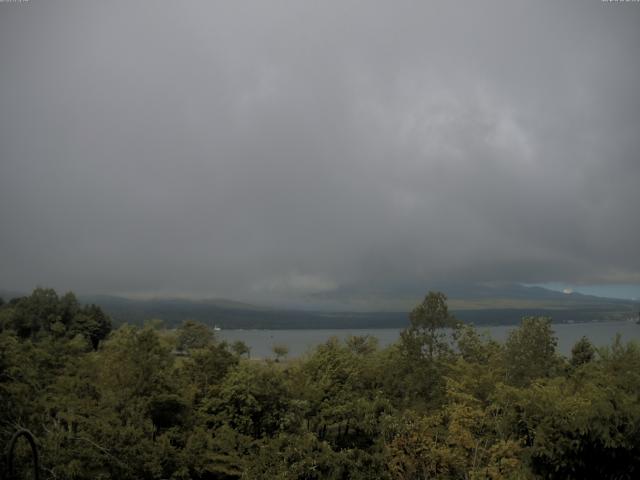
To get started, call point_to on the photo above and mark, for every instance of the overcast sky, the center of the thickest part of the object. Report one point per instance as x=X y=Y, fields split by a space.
x=293 y=150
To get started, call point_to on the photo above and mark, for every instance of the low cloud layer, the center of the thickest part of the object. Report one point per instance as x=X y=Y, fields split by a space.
x=285 y=149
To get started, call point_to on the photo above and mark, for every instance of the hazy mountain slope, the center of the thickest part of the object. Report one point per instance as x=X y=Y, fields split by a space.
x=502 y=304
x=481 y=304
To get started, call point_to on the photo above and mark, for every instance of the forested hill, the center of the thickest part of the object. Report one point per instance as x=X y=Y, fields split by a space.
x=506 y=305
x=480 y=305
x=228 y=316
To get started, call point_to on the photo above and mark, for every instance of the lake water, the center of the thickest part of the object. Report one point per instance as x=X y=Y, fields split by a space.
x=300 y=342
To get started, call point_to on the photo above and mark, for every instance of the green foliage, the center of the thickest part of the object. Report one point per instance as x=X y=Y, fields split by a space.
x=426 y=335
x=207 y=367
x=294 y=457
x=214 y=454
x=136 y=365
x=576 y=429
x=457 y=442
x=342 y=392
x=254 y=399
x=362 y=345
x=530 y=351
x=425 y=352
x=43 y=313
x=240 y=348
x=92 y=323
x=130 y=405
x=280 y=351
x=582 y=352
x=192 y=334
x=168 y=410
x=474 y=347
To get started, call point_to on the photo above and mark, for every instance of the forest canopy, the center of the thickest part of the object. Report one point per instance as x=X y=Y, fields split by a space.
x=444 y=402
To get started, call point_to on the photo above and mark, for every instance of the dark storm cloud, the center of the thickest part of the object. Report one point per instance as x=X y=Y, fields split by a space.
x=281 y=149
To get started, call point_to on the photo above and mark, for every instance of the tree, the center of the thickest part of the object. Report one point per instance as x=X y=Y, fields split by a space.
x=530 y=351
x=455 y=443
x=362 y=344
x=253 y=399
x=477 y=368
x=295 y=457
x=571 y=429
x=426 y=334
x=216 y=454
x=240 y=348
x=35 y=313
x=425 y=352
x=341 y=390
x=582 y=352
x=136 y=366
x=207 y=366
x=192 y=334
x=69 y=307
x=43 y=313
x=92 y=323
x=475 y=347
x=281 y=351
x=167 y=410
x=155 y=323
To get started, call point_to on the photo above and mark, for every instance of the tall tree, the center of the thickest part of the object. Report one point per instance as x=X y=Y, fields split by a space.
x=582 y=352
x=426 y=334
x=92 y=323
x=192 y=334
x=530 y=351
x=240 y=348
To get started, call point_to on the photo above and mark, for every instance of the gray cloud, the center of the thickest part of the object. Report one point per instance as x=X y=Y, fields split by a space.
x=280 y=149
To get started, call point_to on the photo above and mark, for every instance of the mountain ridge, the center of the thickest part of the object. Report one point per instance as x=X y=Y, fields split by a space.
x=479 y=304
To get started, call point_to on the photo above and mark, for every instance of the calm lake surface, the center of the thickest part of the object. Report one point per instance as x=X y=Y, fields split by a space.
x=300 y=342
